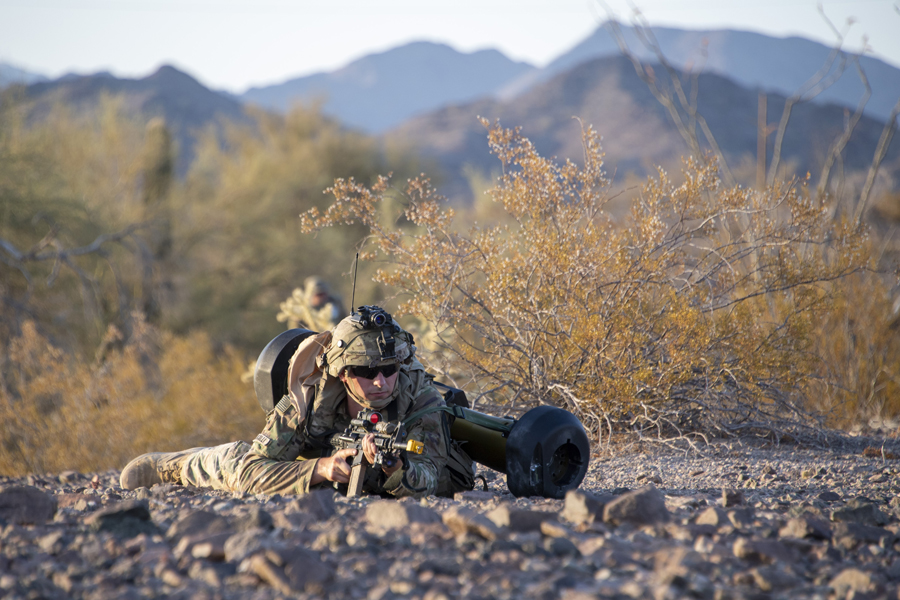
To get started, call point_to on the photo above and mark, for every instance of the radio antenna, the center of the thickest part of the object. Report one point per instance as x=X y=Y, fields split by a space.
x=353 y=293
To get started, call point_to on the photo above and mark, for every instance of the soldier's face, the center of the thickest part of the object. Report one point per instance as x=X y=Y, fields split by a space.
x=379 y=388
x=318 y=300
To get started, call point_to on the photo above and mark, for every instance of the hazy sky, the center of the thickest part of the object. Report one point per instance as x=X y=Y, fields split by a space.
x=233 y=44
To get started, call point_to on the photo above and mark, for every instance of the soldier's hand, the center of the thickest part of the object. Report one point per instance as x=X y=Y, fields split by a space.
x=370 y=450
x=334 y=467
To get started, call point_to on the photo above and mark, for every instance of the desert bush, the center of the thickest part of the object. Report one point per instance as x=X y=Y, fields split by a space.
x=236 y=232
x=700 y=313
x=77 y=242
x=158 y=393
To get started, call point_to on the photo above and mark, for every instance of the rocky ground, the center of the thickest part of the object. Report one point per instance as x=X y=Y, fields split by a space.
x=737 y=521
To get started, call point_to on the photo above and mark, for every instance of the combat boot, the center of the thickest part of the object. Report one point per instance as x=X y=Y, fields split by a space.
x=150 y=469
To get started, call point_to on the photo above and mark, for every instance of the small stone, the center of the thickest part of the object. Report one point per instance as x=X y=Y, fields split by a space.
x=829 y=496
x=247 y=543
x=125 y=519
x=560 y=546
x=518 y=519
x=584 y=507
x=713 y=515
x=644 y=506
x=769 y=578
x=462 y=520
x=555 y=529
x=198 y=523
x=477 y=496
x=742 y=517
x=171 y=578
x=850 y=535
x=864 y=514
x=305 y=570
x=254 y=518
x=26 y=505
x=263 y=568
x=213 y=545
x=851 y=579
x=769 y=551
x=732 y=498
x=390 y=514
x=318 y=503
x=805 y=527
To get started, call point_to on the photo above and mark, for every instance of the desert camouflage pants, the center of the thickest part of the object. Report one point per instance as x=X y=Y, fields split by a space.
x=217 y=467
x=235 y=467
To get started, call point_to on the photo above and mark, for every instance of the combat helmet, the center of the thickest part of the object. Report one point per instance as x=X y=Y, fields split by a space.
x=369 y=337
x=314 y=285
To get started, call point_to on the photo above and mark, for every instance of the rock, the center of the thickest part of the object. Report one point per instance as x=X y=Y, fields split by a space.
x=768 y=551
x=773 y=578
x=254 y=518
x=555 y=529
x=862 y=513
x=560 y=546
x=829 y=496
x=741 y=518
x=713 y=515
x=584 y=507
x=805 y=527
x=851 y=580
x=197 y=523
x=206 y=545
x=850 y=535
x=644 y=506
x=318 y=503
x=732 y=498
x=244 y=544
x=390 y=514
x=26 y=505
x=462 y=520
x=125 y=519
x=477 y=496
x=518 y=519
x=272 y=574
x=676 y=565
x=305 y=570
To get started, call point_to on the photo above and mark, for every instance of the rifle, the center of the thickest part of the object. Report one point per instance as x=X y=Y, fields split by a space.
x=390 y=439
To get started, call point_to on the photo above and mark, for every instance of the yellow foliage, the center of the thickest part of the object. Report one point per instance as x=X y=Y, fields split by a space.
x=160 y=393
x=709 y=301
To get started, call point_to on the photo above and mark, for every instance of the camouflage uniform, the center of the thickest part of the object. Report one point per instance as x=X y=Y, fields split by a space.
x=282 y=458
x=301 y=309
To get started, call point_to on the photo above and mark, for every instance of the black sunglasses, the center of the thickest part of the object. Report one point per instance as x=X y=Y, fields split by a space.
x=372 y=372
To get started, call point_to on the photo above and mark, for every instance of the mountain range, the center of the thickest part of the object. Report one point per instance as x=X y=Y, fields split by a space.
x=379 y=91
x=754 y=60
x=637 y=131
x=186 y=104
x=427 y=96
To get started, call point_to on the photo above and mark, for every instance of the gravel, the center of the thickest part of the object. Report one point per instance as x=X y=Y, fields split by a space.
x=740 y=520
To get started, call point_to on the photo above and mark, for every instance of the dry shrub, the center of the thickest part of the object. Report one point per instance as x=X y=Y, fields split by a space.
x=160 y=393
x=857 y=339
x=700 y=314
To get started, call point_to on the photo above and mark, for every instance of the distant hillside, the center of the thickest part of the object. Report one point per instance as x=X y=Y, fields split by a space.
x=185 y=103
x=637 y=131
x=10 y=74
x=380 y=91
x=754 y=60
